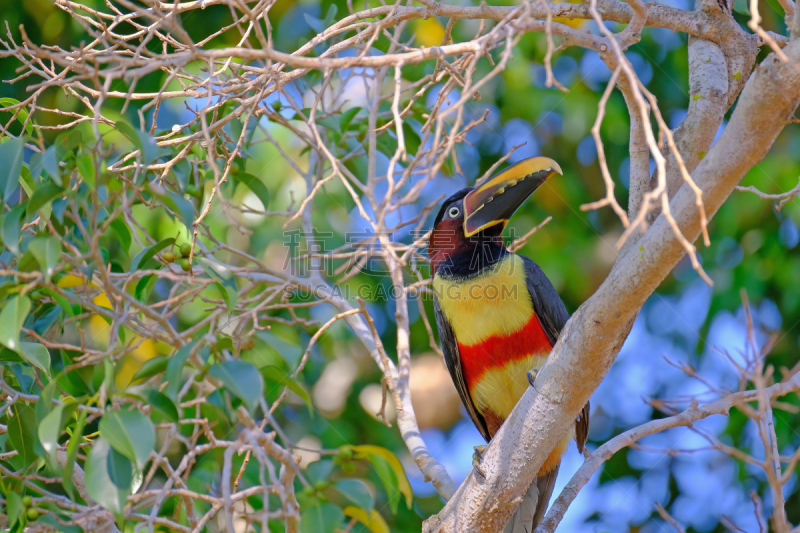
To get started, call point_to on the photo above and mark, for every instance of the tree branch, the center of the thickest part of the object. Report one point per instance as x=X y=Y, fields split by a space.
x=692 y=414
x=595 y=333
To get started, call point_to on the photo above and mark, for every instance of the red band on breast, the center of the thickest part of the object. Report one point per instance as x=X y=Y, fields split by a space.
x=498 y=350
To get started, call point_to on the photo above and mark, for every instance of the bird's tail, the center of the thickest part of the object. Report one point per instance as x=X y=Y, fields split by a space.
x=531 y=510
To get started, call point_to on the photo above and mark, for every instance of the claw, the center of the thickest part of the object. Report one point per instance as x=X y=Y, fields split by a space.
x=477 y=457
x=532 y=373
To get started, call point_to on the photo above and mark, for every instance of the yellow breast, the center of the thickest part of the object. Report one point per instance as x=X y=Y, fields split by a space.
x=494 y=302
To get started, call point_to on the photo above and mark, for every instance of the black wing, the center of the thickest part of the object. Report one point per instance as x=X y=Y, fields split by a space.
x=552 y=315
x=546 y=302
x=453 y=361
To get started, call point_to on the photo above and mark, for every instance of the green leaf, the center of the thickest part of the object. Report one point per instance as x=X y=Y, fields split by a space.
x=355 y=492
x=331 y=124
x=99 y=483
x=144 y=286
x=52 y=425
x=240 y=379
x=182 y=207
x=121 y=229
x=22 y=113
x=130 y=433
x=151 y=367
x=319 y=470
x=411 y=138
x=275 y=374
x=387 y=145
x=36 y=355
x=62 y=301
x=289 y=352
x=14 y=507
x=47 y=251
x=147 y=254
x=72 y=453
x=347 y=117
x=50 y=430
x=66 y=142
x=48 y=163
x=45 y=403
x=322 y=518
x=11 y=154
x=85 y=164
x=225 y=281
x=163 y=404
x=26 y=180
x=391 y=472
x=22 y=433
x=43 y=194
x=143 y=142
x=256 y=186
x=175 y=369
x=11 y=227
x=11 y=319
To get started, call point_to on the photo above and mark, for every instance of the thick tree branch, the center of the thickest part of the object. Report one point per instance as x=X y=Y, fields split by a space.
x=595 y=333
x=692 y=414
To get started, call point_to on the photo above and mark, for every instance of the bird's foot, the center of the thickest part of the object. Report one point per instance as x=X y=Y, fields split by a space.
x=532 y=373
x=477 y=457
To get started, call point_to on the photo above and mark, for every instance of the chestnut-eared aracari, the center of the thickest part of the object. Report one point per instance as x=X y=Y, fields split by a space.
x=498 y=315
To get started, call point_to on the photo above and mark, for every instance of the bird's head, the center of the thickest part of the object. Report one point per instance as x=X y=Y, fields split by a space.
x=469 y=226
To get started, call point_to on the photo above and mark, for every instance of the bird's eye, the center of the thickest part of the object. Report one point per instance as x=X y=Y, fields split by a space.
x=453 y=212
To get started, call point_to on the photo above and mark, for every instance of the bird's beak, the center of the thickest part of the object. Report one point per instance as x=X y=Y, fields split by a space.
x=495 y=201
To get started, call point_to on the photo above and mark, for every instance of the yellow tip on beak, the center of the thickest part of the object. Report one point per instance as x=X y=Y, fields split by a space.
x=495 y=201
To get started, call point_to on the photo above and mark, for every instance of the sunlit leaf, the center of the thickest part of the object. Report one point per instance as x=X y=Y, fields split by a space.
x=391 y=472
x=372 y=520
x=22 y=113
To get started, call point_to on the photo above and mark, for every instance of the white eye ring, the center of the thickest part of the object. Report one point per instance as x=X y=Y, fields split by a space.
x=453 y=212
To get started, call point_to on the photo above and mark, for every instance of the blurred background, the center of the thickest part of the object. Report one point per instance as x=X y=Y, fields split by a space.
x=753 y=247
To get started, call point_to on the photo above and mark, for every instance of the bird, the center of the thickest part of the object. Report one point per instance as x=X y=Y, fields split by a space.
x=498 y=315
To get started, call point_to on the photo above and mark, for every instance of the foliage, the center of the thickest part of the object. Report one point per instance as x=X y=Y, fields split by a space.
x=169 y=298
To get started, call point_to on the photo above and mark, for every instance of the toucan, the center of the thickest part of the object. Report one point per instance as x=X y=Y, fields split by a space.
x=497 y=314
